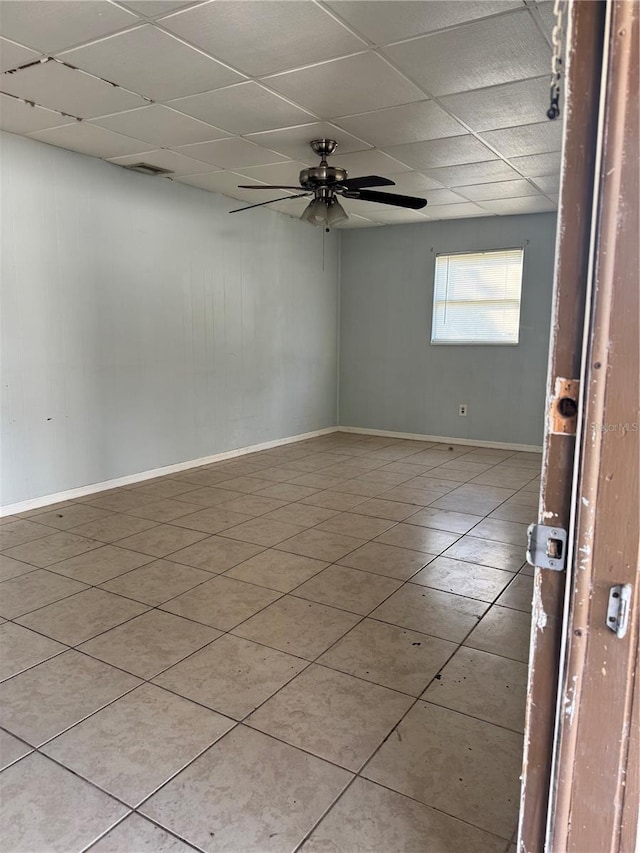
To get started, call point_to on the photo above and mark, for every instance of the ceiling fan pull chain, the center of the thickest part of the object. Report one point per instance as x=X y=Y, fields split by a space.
x=557 y=39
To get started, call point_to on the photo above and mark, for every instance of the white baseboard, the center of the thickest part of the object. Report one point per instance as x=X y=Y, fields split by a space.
x=129 y=479
x=444 y=439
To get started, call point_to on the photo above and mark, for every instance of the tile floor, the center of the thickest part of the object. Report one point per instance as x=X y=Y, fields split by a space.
x=320 y=647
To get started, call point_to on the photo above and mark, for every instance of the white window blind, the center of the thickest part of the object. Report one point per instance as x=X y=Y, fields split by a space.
x=476 y=298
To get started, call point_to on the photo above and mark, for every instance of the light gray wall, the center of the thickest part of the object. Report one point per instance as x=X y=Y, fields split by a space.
x=143 y=326
x=392 y=378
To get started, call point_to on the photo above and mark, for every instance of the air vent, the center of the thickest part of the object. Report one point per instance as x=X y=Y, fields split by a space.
x=148 y=169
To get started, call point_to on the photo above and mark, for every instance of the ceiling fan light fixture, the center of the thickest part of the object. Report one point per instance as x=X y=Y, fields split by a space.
x=315 y=212
x=336 y=213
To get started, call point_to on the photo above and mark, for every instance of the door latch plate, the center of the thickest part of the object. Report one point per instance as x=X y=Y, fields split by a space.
x=546 y=547
x=563 y=411
x=619 y=609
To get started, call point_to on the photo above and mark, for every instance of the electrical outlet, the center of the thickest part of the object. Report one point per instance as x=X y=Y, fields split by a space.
x=462 y=410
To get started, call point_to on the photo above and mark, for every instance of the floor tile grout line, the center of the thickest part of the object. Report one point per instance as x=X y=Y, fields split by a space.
x=62 y=598
x=34 y=665
x=229 y=632
x=355 y=775
x=440 y=670
x=309 y=664
x=131 y=813
x=236 y=724
x=400 y=794
x=413 y=705
x=435 y=677
x=221 y=532
x=38 y=748
x=223 y=574
x=153 y=559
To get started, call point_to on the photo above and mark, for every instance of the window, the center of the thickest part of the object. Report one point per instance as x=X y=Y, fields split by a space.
x=476 y=298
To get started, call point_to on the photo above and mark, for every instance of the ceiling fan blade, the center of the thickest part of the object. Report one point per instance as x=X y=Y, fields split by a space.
x=271 y=201
x=265 y=187
x=366 y=181
x=390 y=198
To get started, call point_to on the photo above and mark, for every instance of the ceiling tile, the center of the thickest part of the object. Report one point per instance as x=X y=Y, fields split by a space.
x=12 y=55
x=408 y=123
x=52 y=25
x=226 y=183
x=528 y=139
x=549 y=184
x=507 y=105
x=397 y=215
x=161 y=126
x=244 y=108
x=232 y=153
x=455 y=211
x=370 y=162
x=261 y=38
x=176 y=163
x=18 y=117
x=291 y=207
x=58 y=87
x=153 y=63
x=412 y=183
x=480 y=173
x=497 y=190
x=514 y=206
x=294 y=141
x=538 y=165
x=215 y=181
x=279 y=173
x=436 y=197
x=544 y=12
x=89 y=139
x=359 y=207
x=485 y=53
x=355 y=221
x=442 y=152
x=152 y=8
x=342 y=87
x=384 y=21
x=336 y=75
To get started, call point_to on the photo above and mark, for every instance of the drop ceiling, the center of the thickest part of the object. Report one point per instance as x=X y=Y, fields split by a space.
x=445 y=97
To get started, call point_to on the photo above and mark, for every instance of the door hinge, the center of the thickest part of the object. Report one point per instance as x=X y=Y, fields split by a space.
x=619 y=609
x=563 y=410
x=546 y=547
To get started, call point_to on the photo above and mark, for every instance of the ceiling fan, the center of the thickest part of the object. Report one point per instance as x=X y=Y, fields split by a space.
x=325 y=183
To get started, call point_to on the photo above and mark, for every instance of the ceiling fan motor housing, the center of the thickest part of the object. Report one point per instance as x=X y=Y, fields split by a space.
x=322 y=176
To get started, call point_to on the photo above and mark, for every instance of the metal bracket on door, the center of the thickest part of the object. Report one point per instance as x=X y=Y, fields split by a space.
x=619 y=609
x=546 y=547
x=563 y=410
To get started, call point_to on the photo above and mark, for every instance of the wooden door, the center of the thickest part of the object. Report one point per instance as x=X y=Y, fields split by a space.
x=582 y=90
x=595 y=786
x=580 y=771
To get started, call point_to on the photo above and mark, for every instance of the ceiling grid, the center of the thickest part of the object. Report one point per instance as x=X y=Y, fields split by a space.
x=447 y=98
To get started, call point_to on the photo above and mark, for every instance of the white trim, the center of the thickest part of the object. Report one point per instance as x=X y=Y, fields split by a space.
x=415 y=436
x=81 y=491
x=129 y=479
